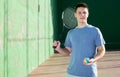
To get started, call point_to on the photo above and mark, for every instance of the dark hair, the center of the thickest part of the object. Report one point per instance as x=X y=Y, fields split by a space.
x=81 y=5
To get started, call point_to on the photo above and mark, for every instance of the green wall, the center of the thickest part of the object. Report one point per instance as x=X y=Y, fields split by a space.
x=103 y=14
x=26 y=35
x=2 y=54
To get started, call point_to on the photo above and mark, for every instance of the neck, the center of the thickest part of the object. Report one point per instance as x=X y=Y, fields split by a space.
x=82 y=24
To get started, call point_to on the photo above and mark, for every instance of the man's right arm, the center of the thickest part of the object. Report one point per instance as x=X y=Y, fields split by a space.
x=63 y=51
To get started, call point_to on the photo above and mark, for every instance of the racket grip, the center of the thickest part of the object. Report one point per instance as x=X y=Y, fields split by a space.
x=54 y=47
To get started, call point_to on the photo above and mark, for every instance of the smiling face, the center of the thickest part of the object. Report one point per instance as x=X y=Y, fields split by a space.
x=81 y=14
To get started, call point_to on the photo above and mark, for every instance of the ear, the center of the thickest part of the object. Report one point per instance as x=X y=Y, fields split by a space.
x=75 y=15
x=88 y=14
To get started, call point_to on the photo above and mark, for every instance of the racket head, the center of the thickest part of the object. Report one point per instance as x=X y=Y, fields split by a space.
x=69 y=20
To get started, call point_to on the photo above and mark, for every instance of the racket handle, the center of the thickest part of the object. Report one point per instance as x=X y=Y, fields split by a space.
x=54 y=47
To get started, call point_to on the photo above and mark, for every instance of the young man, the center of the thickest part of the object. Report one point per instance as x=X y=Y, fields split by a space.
x=83 y=41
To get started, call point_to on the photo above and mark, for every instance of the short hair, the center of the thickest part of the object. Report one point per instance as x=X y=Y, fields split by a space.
x=81 y=5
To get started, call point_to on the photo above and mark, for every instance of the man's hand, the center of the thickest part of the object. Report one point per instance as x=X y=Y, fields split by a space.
x=56 y=45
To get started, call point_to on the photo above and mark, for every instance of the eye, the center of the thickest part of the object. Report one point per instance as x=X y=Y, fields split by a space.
x=79 y=12
x=84 y=12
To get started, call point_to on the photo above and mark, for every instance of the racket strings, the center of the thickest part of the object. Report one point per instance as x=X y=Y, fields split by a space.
x=69 y=19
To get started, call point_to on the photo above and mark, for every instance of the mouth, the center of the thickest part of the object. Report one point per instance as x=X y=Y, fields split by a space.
x=82 y=18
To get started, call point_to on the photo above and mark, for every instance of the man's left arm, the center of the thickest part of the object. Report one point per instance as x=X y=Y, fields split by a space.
x=99 y=55
x=100 y=52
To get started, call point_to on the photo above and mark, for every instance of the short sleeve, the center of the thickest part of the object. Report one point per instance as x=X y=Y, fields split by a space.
x=67 y=41
x=99 y=38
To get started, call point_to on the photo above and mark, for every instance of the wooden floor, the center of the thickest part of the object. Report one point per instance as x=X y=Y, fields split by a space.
x=56 y=66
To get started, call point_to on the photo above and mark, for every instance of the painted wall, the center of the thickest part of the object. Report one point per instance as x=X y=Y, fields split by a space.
x=26 y=35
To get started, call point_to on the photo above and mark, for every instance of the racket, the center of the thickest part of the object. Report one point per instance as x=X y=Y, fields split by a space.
x=69 y=21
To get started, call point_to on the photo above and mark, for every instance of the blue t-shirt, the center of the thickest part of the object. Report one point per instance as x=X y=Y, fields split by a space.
x=83 y=43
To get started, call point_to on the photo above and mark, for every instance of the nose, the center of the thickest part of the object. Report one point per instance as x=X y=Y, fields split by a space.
x=82 y=14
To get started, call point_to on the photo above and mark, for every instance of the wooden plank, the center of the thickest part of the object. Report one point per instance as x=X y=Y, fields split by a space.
x=56 y=66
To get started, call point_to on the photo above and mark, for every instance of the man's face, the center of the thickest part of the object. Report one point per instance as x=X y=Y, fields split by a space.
x=81 y=14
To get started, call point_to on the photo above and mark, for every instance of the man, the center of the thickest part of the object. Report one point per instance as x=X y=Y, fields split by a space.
x=83 y=41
